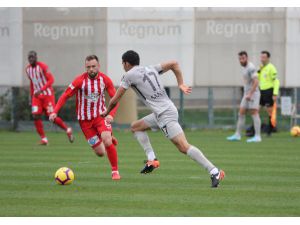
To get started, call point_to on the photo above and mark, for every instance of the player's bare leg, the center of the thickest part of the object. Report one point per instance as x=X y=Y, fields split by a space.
x=139 y=129
x=114 y=140
x=257 y=126
x=194 y=153
x=40 y=129
x=112 y=154
x=99 y=149
x=239 y=127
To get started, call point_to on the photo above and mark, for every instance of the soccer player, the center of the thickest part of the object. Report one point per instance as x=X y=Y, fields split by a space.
x=145 y=81
x=250 y=100
x=269 y=87
x=42 y=96
x=90 y=88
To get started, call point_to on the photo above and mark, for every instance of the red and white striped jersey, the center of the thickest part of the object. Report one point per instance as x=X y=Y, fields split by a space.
x=40 y=79
x=90 y=95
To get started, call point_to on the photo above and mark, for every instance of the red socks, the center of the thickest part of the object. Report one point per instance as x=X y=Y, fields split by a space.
x=112 y=155
x=39 y=127
x=59 y=122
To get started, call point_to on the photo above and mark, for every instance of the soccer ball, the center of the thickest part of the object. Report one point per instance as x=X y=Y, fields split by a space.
x=295 y=131
x=64 y=176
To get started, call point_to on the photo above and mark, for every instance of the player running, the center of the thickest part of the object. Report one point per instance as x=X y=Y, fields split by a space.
x=145 y=81
x=250 y=100
x=90 y=88
x=42 y=96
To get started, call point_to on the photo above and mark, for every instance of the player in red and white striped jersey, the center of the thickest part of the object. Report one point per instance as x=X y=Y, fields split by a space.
x=42 y=96
x=90 y=88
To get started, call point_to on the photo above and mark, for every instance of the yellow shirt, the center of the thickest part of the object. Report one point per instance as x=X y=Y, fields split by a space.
x=267 y=76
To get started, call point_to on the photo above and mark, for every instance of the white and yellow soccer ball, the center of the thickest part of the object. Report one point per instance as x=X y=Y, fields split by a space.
x=64 y=176
x=295 y=131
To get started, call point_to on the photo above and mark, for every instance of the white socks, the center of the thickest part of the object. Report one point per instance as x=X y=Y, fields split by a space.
x=257 y=124
x=240 y=125
x=144 y=141
x=195 y=154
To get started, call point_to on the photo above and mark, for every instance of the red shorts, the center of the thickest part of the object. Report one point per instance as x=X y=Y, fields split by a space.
x=92 y=130
x=42 y=103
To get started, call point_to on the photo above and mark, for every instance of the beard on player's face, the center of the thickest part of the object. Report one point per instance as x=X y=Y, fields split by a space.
x=92 y=74
x=244 y=63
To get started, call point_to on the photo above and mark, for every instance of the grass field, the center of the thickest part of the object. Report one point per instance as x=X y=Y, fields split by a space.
x=262 y=179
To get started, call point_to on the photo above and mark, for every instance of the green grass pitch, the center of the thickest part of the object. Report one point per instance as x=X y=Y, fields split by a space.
x=261 y=179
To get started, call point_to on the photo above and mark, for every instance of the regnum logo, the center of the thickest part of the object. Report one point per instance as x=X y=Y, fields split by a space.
x=66 y=31
x=230 y=30
x=142 y=31
x=4 y=31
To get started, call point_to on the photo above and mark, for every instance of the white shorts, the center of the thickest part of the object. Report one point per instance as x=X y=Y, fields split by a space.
x=253 y=103
x=167 y=122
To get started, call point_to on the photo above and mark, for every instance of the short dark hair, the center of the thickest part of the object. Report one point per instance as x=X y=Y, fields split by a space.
x=267 y=53
x=241 y=53
x=32 y=52
x=131 y=57
x=91 y=57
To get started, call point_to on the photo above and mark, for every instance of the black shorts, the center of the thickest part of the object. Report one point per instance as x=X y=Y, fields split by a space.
x=266 y=97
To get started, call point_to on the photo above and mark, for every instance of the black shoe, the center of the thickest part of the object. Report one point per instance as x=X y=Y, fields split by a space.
x=269 y=130
x=216 y=178
x=150 y=166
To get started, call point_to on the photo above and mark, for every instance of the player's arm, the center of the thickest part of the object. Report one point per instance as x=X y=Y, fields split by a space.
x=69 y=92
x=175 y=68
x=49 y=78
x=111 y=92
x=31 y=84
x=253 y=87
x=276 y=83
x=113 y=102
x=30 y=88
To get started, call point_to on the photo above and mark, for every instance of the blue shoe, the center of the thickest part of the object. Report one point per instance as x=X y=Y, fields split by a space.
x=254 y=139
x=234 y=137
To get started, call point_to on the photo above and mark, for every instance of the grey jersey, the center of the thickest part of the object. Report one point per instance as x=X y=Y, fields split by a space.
x=249 y=73
x=145 y=81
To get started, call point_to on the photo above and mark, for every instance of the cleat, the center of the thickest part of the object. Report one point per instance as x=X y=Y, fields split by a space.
x=255 y=139
x=43 y=141
x=150 y=166
x=216 y=178
x=114 y=140
x=234 y=138
x=70 y=135
x=115 y=175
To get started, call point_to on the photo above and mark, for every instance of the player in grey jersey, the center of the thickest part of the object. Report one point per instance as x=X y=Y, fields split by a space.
x=146 y=82
x=250 y=100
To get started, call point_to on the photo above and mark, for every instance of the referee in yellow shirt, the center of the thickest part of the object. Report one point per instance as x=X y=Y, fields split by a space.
x=269 y=86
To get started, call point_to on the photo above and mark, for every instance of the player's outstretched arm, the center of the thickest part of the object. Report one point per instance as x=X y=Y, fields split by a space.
x=69 y=92
x=111 y=92
x=174 y=66
x=114 y=101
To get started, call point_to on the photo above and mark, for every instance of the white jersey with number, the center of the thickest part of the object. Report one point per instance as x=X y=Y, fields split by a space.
x=145 y=81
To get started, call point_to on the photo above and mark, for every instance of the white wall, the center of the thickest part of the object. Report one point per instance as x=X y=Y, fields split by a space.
x=205 y=41
x=11 y=46
x=292 y=78
x=222 y=32
x=157 y=34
